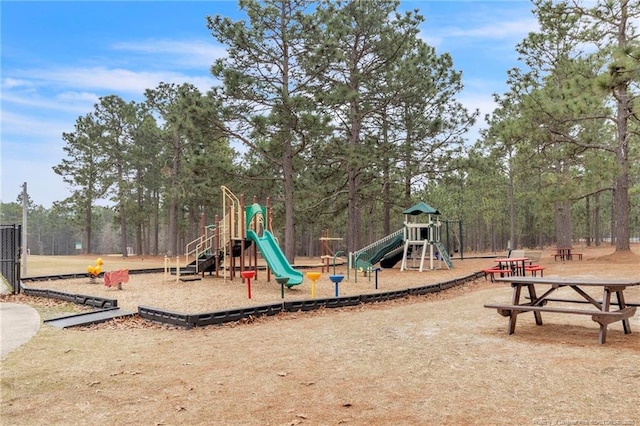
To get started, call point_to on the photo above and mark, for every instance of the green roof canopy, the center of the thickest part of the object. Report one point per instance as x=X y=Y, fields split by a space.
x=419 y=208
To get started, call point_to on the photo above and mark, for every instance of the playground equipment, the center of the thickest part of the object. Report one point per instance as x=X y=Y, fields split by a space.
x=116 y=278
x=247 y=275
x=240 y=233
x=313 y=276
x=336 y=279
x=420 y=235
x=327 y=251
x=181 y=274
x=95 y=270
x=248 y=224
x=339 y=253
x=409 y=244
x=282 y=281
x=205 y=251
x=376 y=270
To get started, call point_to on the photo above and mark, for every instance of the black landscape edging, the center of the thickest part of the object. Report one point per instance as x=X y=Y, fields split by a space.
x=165 y=317
x=79 y=299
x=55 y=277
x=304 y=305
x=383 y=297
x=86 y=275
x=418 y=291
x=221 y=317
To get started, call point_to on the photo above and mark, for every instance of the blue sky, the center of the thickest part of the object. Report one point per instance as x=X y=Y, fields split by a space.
x=58 y=58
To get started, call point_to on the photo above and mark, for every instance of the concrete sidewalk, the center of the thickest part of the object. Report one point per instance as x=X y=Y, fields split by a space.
x=18 y=324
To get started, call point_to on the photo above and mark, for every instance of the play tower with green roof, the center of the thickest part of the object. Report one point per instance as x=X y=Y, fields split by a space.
x=411 y=244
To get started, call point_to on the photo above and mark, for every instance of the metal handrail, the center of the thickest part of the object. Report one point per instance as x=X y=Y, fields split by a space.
x=334 y=262
x=202 y=244
x=233 y=213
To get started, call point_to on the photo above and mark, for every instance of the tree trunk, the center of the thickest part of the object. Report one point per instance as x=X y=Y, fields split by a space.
x=86 y=249
x=289 y=211
x=172 y=228
x=623 y=112
x=613 y=234
x=354 y=222
x=156 y=224
x=587 y=216
x=597 y=227
x=386 y=180
x=122 y=212
x=123 y=231
x=512 y=208
x=386 y=196
x=621 y=193
x=353 y=210
x=562 y=212
x=286 y=136
x=139 y=227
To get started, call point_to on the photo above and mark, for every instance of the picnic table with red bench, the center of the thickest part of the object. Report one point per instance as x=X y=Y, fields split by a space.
x=519 y=262
x=513 y=266
x=603 y=314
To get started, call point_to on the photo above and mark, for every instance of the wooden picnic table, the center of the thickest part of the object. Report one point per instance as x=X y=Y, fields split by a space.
x=515 y=264
x=565 y=253
x=603 y=315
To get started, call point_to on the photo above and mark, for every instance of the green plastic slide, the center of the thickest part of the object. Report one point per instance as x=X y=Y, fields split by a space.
x=275 y=258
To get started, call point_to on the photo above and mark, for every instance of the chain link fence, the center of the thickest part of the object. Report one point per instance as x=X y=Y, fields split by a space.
x=10 y=237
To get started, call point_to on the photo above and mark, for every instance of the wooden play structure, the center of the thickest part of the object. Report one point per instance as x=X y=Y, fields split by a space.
x=327 y=253
x=233 y=243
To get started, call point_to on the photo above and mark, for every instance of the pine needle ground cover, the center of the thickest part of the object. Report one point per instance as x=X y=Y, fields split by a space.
x=435 y=359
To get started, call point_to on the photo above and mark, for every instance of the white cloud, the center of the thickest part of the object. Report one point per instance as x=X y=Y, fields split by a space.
x=73 y=102
x=180 y=53
x=12 y=83
x=111 y=80
x=72 y=96
x=507 y=29
x=495 y=36
x=22 y=126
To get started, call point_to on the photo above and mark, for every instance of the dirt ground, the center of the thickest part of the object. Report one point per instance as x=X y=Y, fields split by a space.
x=435 y=359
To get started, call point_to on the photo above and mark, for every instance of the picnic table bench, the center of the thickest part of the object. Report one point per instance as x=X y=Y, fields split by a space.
x=603 y=315
x=534 y=269
x=496 y=270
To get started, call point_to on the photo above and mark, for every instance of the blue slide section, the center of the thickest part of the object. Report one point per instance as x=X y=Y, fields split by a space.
x=275 y=258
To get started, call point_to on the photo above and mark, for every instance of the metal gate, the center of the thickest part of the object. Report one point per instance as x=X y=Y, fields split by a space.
x=10 y=237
